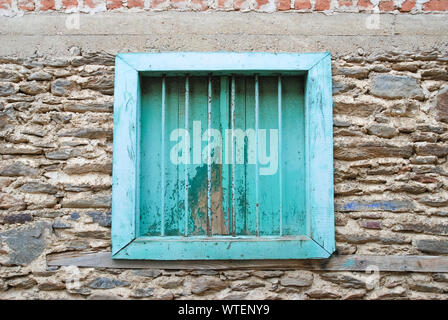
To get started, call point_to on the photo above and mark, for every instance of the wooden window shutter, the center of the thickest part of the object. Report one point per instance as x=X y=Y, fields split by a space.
x=250 y=196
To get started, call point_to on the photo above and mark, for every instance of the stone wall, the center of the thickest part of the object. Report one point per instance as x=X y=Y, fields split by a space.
x=391 y=182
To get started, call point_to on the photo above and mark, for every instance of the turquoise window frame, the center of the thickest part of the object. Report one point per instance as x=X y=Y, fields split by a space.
x=318 y=243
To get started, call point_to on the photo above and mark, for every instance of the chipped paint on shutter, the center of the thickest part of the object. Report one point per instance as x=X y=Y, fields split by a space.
x=210 y=199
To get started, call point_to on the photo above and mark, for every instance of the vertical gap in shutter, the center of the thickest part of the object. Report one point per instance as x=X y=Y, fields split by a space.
x=256 y=155
x=209 y=156
x=163 y=157
x=232 y=150
x=280 y=152
x=187 y=99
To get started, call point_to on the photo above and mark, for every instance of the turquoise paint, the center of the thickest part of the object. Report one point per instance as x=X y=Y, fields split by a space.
x=197 y=198
x=319 y=164
x=124 y=196
x=250 y=173
x=223 y=249
x=349 y=263
x=226 y=171
x=222 y=61
x=268 y=185
x=243 y=223
x=293 y=157
x=151 y=156
x=306 y=222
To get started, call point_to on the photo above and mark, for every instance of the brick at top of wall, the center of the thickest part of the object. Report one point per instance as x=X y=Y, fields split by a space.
x=5 y=5
x=92 y=6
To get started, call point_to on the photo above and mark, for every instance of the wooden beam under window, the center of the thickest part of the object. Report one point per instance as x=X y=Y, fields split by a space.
x=335 y=263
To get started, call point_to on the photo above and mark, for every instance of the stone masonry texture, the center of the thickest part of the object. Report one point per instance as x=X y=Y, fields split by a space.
x=390 y=163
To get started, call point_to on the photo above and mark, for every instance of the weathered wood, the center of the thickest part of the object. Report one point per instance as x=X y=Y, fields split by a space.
x=268 y=203
x=319 y=153
x=156 y=193
x=241 y=222
x=222 y=248
x=336 y=263
x=126 y=155
x=292 y=156
x=224 y=105
x=150 y=172
x=221 y=61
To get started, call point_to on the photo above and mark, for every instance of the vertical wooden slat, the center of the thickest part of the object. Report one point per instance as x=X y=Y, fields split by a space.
x=280 y=167
x=293 y=156
x=249 y=171
x=268 y=173
x=256 y=157
x=197 y=195
x=232 y=121
x=308 y=224
x=224 y=118
x=209 y=155
x=173 y=214
x=150 y=158
x=239 y=155
x=187 y=127
x=181 y=217
x=162 y=172
x=217 y=194
x=138 y=159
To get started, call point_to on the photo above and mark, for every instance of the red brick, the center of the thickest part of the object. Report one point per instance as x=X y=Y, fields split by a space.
x=436 y=5
x=261 y=3
x=225 y=4
x=407 y=6
x=46 y=5
x=5 y=4
x=222 y=4
x=136 y=4
x=92 y=4
x=302 y=5
x=113 y=4
x=89 y=3
x=69 y=4
x=160 y=4
x=178 y=4
x=365 y=5
x=387 y=6
x=345 y=3
x=322 y=5
x=199 y=5
x=283 y=5
x=26 y=5
x=237 y=4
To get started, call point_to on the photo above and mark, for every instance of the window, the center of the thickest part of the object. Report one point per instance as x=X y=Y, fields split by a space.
x=222 y=156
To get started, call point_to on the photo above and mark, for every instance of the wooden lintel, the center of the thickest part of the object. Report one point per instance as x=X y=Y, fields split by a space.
x=335 y=263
